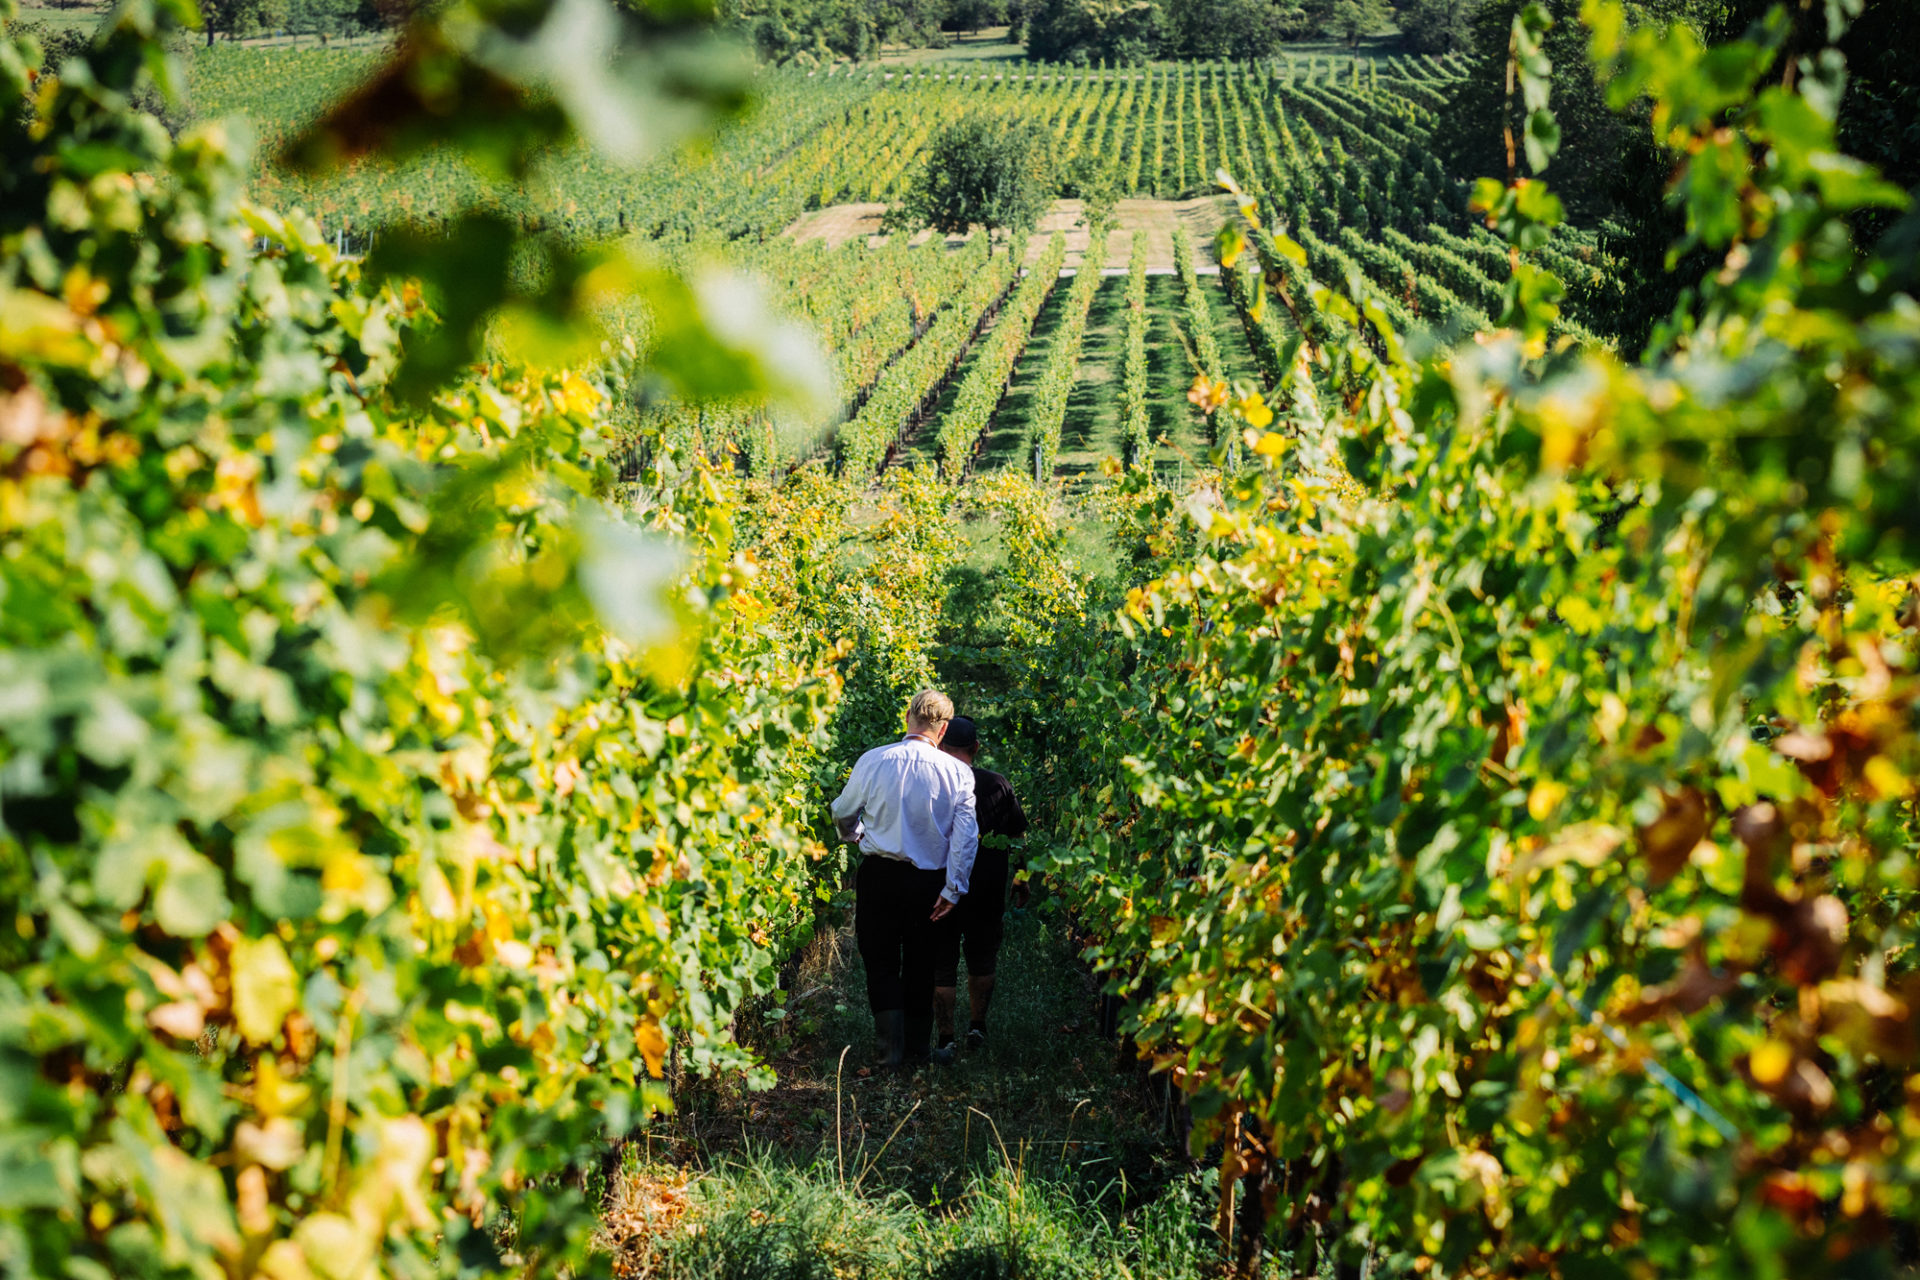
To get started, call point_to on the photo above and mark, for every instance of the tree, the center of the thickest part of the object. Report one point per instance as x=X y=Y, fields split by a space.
x=980 y=172
x=323 y=18
x=971 y=15
x=807 y=30
x=1610 y=172
x=1438 y=26
x=1230 y=28
x=373 y=15
x=1084 y=31
x=56 y=44
x=233 y=18
x=1594 y=140
x=909 y=22
x=823 y=30
x=1350 y=20
x=1880 y=109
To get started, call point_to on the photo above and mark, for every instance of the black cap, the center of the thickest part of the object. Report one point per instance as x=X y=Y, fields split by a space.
x=961 y=735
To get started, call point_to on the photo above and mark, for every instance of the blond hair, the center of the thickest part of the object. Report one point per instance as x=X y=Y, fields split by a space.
x=929 y=709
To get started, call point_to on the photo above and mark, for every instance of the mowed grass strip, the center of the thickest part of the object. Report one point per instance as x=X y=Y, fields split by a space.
x=1236 y=353
x=1010 y=439
x=1175 y=426
x=1092 y=430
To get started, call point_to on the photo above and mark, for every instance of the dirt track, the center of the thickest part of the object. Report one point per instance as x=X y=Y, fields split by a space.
x=1154 y=219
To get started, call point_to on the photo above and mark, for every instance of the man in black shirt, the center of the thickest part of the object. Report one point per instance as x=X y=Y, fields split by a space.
x=975 y=923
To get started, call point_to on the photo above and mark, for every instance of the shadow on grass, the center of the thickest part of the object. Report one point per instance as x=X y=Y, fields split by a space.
x=1091 y=430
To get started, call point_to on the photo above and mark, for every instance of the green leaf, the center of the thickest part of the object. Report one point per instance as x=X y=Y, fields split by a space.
x=265 y=987
x=1542 y=139
x=191 y=899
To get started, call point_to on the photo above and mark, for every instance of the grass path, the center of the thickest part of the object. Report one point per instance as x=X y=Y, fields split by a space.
x=1172 y=422
x=1009 y=441
x=1091 y=431
x=1045 y=1156
x=1058 y=1095
x=1236 y=353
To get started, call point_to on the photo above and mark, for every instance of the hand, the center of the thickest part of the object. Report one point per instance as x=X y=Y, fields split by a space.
x=941 y=910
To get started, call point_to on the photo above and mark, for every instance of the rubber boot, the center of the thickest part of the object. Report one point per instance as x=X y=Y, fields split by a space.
x=889 y=1030
x=919 y=1031
x=980 y=998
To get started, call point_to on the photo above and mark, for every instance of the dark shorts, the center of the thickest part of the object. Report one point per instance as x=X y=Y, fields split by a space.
x=977 y=922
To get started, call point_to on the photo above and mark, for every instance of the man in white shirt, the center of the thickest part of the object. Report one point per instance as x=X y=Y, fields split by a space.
x=910 y=808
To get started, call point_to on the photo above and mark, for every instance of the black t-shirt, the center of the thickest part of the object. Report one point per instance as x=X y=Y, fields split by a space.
x=997 y=811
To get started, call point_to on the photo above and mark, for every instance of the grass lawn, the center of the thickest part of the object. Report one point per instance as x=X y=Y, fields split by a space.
x=989 y=44
x=63 y=16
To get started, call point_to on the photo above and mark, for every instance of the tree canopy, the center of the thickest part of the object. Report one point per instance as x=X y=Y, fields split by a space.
x=1438 y=26
x=979 y=172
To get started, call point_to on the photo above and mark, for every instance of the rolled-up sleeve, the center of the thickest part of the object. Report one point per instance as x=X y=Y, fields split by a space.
x=962 y=846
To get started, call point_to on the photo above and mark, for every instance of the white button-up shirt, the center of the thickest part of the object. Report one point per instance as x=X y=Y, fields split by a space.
x=912 y=801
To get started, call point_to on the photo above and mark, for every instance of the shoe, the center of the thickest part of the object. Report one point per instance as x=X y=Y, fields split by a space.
x=946 y=1041
x=918 y=1032
x=890 y=1031
x=976 y=1039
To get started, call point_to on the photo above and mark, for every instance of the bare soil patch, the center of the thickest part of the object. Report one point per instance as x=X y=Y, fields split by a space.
x=1155 y=219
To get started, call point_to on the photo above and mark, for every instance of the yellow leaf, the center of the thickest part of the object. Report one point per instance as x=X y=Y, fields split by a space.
x=578 y=395
x=1271 y=445
x=336 y=1247
x=273 y=1093
x=1885 y=777
x=1769 y=1062
x=39 y=328
x=1229 y=245
x=1253 y=409
x=1206 y=394
x=653 y=1046
x=265 y=987
x=1544 y=799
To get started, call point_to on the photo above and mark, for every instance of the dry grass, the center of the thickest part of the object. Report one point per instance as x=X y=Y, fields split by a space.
x=644 y=1208
x=1155 y=219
